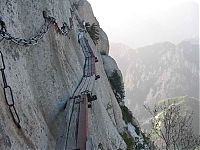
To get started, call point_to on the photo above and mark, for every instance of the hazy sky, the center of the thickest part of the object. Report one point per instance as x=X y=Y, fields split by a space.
x=141 y=22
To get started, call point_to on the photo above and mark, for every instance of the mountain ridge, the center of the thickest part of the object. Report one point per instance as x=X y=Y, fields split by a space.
x=159 y=71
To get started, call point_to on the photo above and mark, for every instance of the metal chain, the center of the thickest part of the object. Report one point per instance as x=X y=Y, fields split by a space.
x=64 y=30
x=8 y=94
x=88 y=70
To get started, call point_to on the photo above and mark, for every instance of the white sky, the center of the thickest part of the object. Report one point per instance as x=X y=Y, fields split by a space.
x=141 y=22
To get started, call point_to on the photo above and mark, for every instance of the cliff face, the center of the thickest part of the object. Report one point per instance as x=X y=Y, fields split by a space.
x=45 y=75
x=87 y=14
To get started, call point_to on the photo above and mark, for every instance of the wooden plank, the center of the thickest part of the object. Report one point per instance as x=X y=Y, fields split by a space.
x=89 y=67
x=91 y=85
x=86 y=67
x=89 y=47
x=78 y=90
x=88 y=85
x=77 y=113
x=93 y=66
x=85 y=85
x=89 y=144
x=69 y=110
x=83 y=124
x=61 y=142
x=73 y=128
x=86 y=48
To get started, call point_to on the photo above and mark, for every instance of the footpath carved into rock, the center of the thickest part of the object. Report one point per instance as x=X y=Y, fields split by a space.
x=77 y=106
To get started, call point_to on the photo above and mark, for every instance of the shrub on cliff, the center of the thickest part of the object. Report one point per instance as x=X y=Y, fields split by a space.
x=93 y=32
x=127 y=114
x=117 y=86
x=128 y=140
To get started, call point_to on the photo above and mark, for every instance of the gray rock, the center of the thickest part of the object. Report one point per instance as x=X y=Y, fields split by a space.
x=87 y=14
x=44 y=76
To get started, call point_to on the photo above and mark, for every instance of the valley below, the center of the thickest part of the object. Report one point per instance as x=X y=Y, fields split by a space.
x=159 y=72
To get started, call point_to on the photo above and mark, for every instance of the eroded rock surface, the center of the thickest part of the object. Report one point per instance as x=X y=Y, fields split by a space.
x=44 y=76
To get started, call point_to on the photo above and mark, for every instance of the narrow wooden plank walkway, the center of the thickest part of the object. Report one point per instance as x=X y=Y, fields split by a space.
x=76 y=132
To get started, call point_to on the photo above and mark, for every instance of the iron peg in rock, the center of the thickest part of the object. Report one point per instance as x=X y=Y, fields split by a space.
x=90 y=105
x=78 y=96
x=71 y=97
x=94 y=97
x=44 y=13
x=91 y=98
x=96 y=59
x=97 y=77
x=71 y=24
x=2 y=62
x=71 y=11
x=3 y=25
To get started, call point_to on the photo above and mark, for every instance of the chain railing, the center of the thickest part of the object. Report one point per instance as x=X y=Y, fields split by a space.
x=8 y=94
x=64 y=30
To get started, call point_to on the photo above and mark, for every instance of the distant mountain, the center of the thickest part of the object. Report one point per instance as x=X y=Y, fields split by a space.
x=158 y=71
x=119 y=51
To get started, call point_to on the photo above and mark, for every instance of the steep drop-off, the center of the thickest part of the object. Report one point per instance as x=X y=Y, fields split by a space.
x=159 y=71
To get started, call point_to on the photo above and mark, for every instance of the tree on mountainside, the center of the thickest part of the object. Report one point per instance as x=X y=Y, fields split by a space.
x=117 y=86
x=172 y=127
x=93 y=32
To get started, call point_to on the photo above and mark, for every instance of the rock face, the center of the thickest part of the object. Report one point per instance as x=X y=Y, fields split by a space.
x=87 y=14
x=110 y=65
x=44 y=76
x=103 y=44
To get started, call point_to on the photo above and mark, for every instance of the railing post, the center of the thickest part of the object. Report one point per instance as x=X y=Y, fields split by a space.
x=83 y=124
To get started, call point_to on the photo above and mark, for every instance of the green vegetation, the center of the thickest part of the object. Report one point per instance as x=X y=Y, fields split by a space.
x=133 y=143
x=128 y=118
x=93 y=32
x=100 y=146
x=127 y=114
x=172 y=125
x=178 y=100
x=128 y=140
x=197 y=148
x=147 y=139
x=117 y=86
x=103 y=53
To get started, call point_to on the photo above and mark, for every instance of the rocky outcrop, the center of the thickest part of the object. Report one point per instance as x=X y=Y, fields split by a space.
x=44 y=76
x=103 y=44
x=110 y=65
x=110 y=110
x=87 y=14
